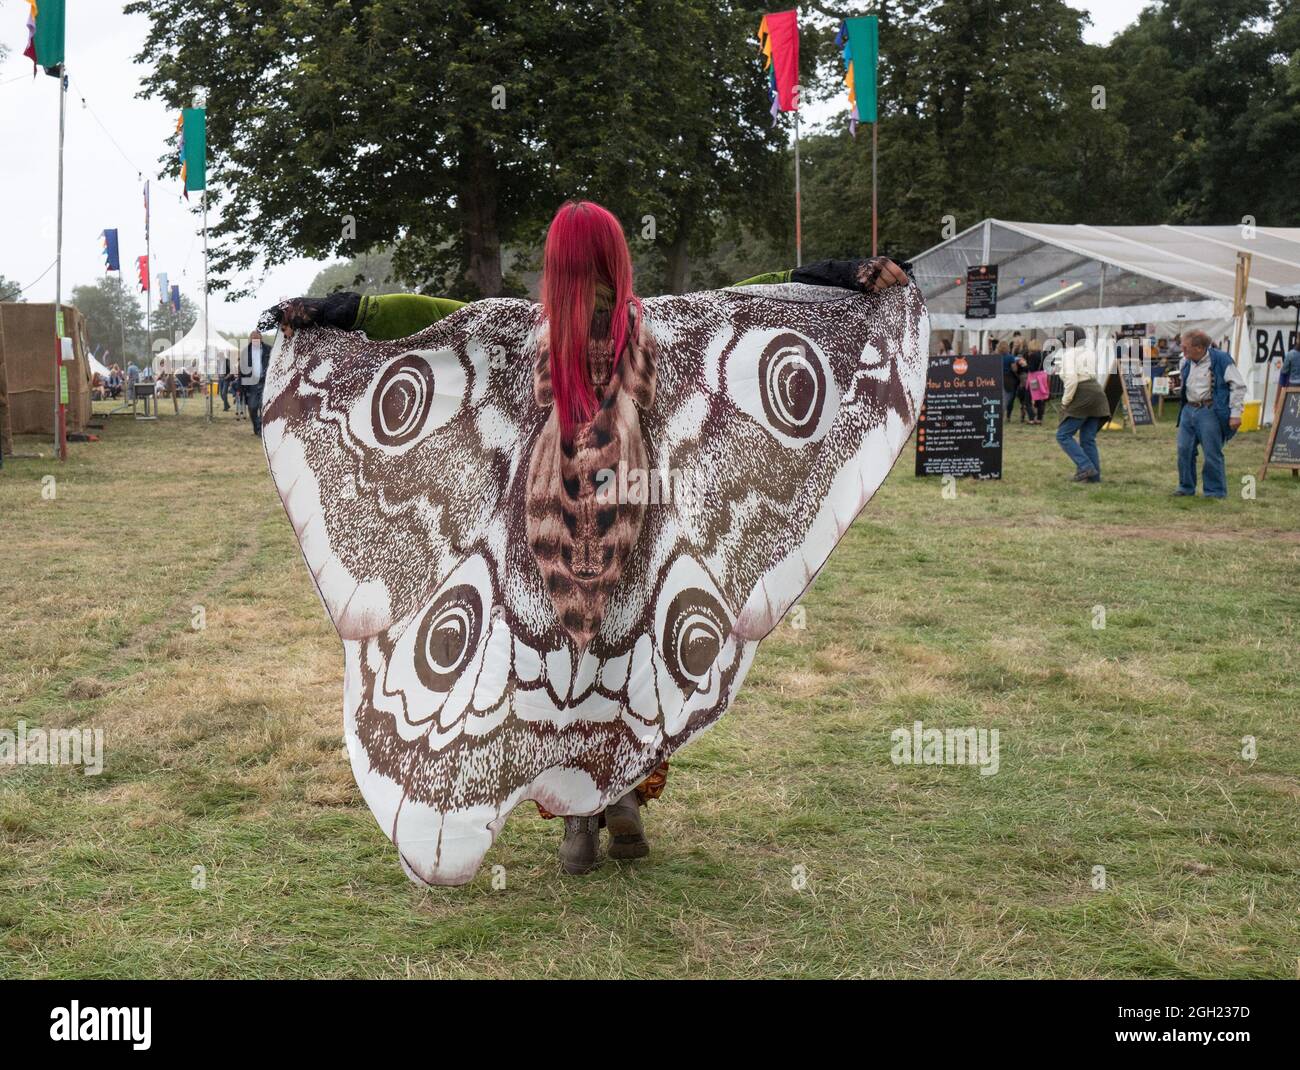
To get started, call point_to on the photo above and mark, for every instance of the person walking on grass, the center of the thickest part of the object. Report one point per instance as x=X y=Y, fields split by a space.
x=224 y=379
x=1084 y=411
x=252 y=374
x=1213 y=395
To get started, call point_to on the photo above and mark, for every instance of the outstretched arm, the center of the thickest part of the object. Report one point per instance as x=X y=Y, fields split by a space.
x=388 y=316
x=878 y=273
x=382 y=317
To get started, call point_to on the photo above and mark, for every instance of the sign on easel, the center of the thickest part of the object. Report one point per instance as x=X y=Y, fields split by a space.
x=959 y=429
x=982 y=292
x=1284 y=440
x=1137 y=399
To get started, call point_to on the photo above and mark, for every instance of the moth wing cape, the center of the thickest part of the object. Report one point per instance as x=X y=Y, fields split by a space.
x=778 y=412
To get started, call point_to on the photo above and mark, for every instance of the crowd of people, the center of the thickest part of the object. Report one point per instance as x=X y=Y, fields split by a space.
x=1205 y=379
x=239 y=381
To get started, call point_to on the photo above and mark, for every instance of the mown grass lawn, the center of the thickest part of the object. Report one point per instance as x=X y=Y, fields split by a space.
x=1120 y=747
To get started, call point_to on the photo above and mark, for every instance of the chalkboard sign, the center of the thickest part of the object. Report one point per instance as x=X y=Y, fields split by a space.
x=982 y=292
x=1136 y=399
x=1284 y=440
x=1114 y=392
x=959 y=431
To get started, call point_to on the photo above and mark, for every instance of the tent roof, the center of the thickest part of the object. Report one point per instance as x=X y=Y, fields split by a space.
x=191 y=346
x=1093 y=267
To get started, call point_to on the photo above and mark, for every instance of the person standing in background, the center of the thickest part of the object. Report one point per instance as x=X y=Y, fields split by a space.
x=1009 y=378
x=252 y=374
x=1084 y=411
x=1213 y=395
x=1291 y=363
x=224 y=378
x=1014 y=369
x=1033 y=372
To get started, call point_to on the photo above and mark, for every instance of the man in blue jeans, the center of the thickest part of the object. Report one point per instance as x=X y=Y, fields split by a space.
x=1213 y=395
x=252 y=377
x=1084 y=411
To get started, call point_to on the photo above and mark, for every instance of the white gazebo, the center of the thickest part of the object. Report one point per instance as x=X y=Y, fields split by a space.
x=1168 y=278
x=191 y=352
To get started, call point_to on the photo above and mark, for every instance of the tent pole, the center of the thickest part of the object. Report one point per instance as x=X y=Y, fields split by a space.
x=1265 y=417
x=60 y=410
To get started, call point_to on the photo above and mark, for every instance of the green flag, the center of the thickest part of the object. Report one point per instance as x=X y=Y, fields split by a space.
x=194 y=148
x=864 y=50
x=48 y=37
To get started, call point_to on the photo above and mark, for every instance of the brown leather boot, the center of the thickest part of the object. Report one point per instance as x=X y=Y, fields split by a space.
x=580 y=850
x=626 y=834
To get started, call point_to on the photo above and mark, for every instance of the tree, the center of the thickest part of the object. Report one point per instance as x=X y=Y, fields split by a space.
x=10 y=290
x=368 y=273
x=334 y=128
x=173 y=326
x=111 y=308
x=981 y=114
x=989 y=115
x=1211 y=94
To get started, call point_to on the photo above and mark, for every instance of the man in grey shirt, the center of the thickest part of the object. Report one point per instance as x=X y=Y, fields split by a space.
x=1213 y=395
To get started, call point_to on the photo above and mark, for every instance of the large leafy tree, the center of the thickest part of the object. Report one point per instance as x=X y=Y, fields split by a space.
x=1210 y=96
x=112 y=311
x=1192 y=115
x=452 y=128
x=369 y=273
x=981 y=114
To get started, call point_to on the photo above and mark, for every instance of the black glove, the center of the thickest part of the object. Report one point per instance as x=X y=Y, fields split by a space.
x=337 y=310
x=846 y=274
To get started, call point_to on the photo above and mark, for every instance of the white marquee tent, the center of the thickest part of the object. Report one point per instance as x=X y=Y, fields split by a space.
x=97 y=366
x=189 y=352
x=1100 y=278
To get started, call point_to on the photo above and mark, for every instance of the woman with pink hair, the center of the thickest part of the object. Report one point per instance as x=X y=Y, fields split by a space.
x=595 y=347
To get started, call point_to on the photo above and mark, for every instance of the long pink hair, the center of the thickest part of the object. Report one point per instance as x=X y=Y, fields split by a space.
x=584 y=246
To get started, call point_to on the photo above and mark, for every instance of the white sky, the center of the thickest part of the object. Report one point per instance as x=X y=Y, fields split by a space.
x=1108 y=17
x=101 y=188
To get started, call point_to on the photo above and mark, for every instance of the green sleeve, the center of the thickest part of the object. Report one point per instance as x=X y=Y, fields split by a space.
x=767 y=279
x=384 y=317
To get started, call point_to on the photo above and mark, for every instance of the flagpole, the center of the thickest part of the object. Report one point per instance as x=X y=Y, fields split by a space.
x=121 y=310
x=206 y=325
x=148 y=290
x=798 y=223
x=874 y=142
x=60 y=410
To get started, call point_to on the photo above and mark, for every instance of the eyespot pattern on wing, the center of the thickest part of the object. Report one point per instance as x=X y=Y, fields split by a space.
x=411 y=396
x=781 y=379
x=449 y=633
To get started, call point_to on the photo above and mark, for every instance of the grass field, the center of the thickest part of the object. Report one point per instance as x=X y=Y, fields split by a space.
x=1119 y=746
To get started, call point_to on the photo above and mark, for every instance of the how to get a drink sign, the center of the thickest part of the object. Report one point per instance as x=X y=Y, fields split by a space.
x=959 y=431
